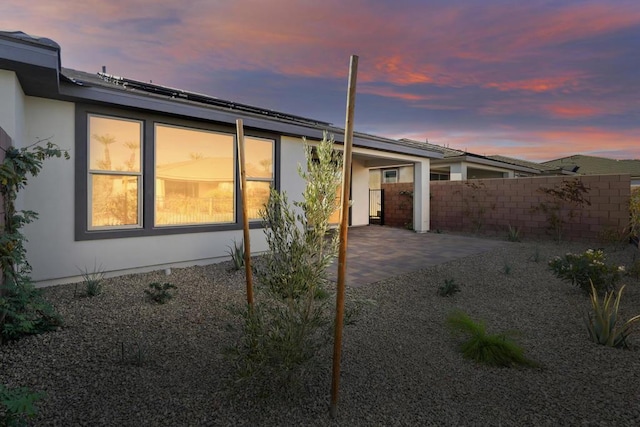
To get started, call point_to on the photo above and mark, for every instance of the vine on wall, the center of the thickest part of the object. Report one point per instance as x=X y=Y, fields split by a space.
x=23 y=311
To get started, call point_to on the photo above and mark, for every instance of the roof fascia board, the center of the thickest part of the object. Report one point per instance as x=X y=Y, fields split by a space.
x=28 y=53
x=37 y=66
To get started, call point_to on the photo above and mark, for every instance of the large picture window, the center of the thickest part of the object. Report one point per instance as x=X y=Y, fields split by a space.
x=115 y=172
x=145 y=174
x=195 y=176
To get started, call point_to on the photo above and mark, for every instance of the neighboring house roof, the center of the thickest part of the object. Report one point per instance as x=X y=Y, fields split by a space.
x=592 y=165
x=452 y=155
x=520 y=162
x=208 y=169
x=41 y=74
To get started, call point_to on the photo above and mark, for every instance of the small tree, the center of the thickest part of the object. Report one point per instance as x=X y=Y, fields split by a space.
x=563 y=204
x=22 y=309
x=290 y=321
x=476 y=205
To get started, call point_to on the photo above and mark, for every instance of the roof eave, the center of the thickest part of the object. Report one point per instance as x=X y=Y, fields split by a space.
x=36 y=65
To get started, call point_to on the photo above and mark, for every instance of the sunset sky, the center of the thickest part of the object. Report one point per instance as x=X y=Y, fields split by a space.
x=531 y=79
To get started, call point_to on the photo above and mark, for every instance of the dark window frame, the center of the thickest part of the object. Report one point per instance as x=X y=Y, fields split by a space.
x=149 y=119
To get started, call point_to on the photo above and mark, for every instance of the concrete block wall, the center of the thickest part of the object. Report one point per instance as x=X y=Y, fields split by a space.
x=398 y=204
x=491 y=205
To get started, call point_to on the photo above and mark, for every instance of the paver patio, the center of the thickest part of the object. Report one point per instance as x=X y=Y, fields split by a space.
x=375 y=253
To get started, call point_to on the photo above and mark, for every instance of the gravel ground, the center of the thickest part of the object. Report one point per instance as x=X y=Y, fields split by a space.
x=400 y=365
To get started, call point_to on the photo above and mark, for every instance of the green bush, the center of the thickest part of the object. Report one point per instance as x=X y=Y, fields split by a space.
x=603 y=320
x=494 y=350
x=563 y=204
x=26 y=312
x=23 y=311
x=513 y=234
x=290 y=323
x=160 y=292
x=16 y=405
x=93 y=280
x=237 y=255
x=449 y=288
x=506 y=268
x=585 y=269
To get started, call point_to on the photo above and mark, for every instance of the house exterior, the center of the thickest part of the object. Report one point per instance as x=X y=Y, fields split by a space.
x=593 y=165
x=153 y=180
x=457 y=165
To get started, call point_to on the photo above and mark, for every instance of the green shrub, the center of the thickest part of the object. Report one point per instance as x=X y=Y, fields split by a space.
x=449 y=288
x=602 y=321
x=494 y=350
x=585 y=269
x=535 y=257
x=23 y=311
x=513 y=234
x=26 y=312
x=160 y=292
x=563 y=204
x=290 y=322
x=613 y=237
x=237 y=255
x=506 y=268
x=475 y=195
x=93 y=280
x=16 y=405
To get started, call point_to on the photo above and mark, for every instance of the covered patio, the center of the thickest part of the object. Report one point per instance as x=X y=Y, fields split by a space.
x=376 y=252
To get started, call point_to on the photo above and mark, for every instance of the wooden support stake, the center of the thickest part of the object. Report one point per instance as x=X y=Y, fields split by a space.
x=344 y=224
x=245 y=213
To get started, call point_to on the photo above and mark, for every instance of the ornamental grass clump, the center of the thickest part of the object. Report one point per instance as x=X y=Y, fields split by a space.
x=494 y=350
x=585 y=269
x=237 y=255
x=603 y=322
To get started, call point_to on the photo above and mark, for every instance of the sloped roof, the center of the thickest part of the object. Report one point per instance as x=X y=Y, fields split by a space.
x=592 y=165
x=19 y=35
x=446 y=151
x=37 y=63
x=507 y=162
x=520 y=162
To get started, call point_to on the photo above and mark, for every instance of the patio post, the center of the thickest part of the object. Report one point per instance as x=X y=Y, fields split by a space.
x=245 y=213
x=344 y=223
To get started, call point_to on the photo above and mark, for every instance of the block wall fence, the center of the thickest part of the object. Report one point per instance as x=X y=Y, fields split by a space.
x=492 y=205
x=398 y=204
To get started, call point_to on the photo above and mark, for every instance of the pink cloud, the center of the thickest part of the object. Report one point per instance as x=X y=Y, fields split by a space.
x=538 y=145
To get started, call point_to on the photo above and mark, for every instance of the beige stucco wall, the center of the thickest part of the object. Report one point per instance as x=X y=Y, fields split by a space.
x=406 y=174
x=359 y=193
x=57 y=258
x=52 y=250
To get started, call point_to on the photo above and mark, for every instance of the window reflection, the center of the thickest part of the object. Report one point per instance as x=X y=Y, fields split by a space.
x=114 y=172
x=194 y=176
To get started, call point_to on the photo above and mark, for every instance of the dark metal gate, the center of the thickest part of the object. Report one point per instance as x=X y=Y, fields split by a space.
x=376 y=207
